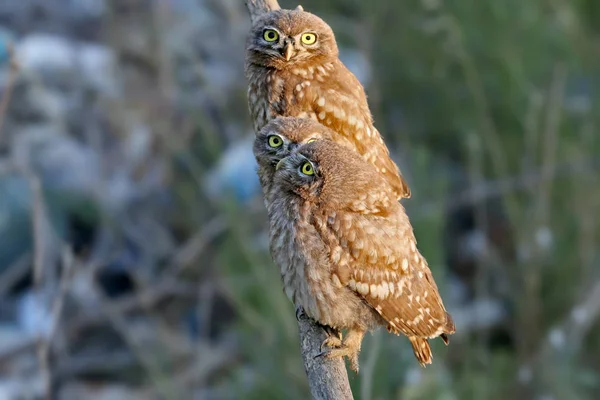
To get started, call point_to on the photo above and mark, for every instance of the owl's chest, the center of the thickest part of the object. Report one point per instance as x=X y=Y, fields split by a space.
x=270 y=95
x=306 y=270
x=301 y=258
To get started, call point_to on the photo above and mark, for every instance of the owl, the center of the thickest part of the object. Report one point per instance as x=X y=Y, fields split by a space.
x=280 y=137
x=293 y=70
x=347 y=252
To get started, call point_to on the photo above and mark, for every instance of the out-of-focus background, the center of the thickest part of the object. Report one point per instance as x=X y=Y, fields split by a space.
x=133 y=245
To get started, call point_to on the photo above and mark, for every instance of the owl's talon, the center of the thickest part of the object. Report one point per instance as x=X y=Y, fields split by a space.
x=341 y=351
x=332 y=342
x=332 y=331
x=300 y=313
x=321 y=354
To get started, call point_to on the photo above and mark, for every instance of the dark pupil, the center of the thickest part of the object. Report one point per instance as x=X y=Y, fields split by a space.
x=271 y=35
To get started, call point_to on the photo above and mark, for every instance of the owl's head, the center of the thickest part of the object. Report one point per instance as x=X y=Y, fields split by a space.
x=290 y=38
x=333 y=176
x=282 y=136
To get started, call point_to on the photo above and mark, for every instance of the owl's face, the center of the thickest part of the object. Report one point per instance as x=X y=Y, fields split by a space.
x=298 y=175
x=331 y=175
x=282 y=136
x=289 y=38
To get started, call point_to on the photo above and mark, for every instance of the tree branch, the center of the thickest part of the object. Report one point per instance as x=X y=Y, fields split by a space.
x=327 y=378
x=259 y=7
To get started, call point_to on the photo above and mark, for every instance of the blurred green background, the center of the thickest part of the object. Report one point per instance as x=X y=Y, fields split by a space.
x=133 y=246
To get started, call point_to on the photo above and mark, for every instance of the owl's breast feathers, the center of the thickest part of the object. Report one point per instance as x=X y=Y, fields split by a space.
x=306 y=270
x=284 y=242
x=329 y=94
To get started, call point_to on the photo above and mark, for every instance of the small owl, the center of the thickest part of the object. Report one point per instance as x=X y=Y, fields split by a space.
x=293 y=69
x=280 y=137
x=347 y=252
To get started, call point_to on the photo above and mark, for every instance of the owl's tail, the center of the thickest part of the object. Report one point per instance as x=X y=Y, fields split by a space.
x=421 y=346
x=449 y=329
x=421 y=349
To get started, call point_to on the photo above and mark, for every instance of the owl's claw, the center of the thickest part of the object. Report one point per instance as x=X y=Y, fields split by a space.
x=341 y=351
x=332 y=331
x=300 y=313
x=349 y=347
x=332 y=342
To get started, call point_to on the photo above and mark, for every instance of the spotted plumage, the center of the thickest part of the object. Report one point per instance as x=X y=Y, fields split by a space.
x=290 y=76
x=346 y=249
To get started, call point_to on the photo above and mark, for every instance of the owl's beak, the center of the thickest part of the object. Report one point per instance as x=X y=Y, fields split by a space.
x=279 y=164
x=288 y=51
x=293 y=146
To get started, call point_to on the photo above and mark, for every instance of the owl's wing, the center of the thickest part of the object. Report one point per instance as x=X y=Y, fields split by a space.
x=339 y=102
x=377 y=257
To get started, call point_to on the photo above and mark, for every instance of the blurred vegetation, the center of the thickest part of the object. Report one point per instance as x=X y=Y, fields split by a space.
x=490 y=108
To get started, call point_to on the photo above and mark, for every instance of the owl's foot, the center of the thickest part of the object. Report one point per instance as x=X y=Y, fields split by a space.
x=332 y=342
x=349 y=347
x=343 y=351
x=332 y=332
x=300 y=312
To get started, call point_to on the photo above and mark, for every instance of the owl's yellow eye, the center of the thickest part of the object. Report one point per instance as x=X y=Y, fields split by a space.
x=307 y=169
x=275 y=141
x=270 y=35
x=311 y=140
x=309 y=38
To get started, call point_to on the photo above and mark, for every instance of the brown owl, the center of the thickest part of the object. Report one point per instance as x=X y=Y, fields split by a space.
x=293 y=69
x=347 y=251
x=280 y=137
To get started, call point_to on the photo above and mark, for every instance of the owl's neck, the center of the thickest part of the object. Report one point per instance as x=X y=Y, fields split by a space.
x=261 y=62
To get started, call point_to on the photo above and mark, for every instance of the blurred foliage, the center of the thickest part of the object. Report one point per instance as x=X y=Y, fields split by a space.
x=489 y=106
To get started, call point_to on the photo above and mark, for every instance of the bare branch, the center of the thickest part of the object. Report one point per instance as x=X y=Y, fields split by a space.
x=258 y=7
x=44 y=345
x=327 y=378
x=38 y=219
x=551 y=140
x=12 y=76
